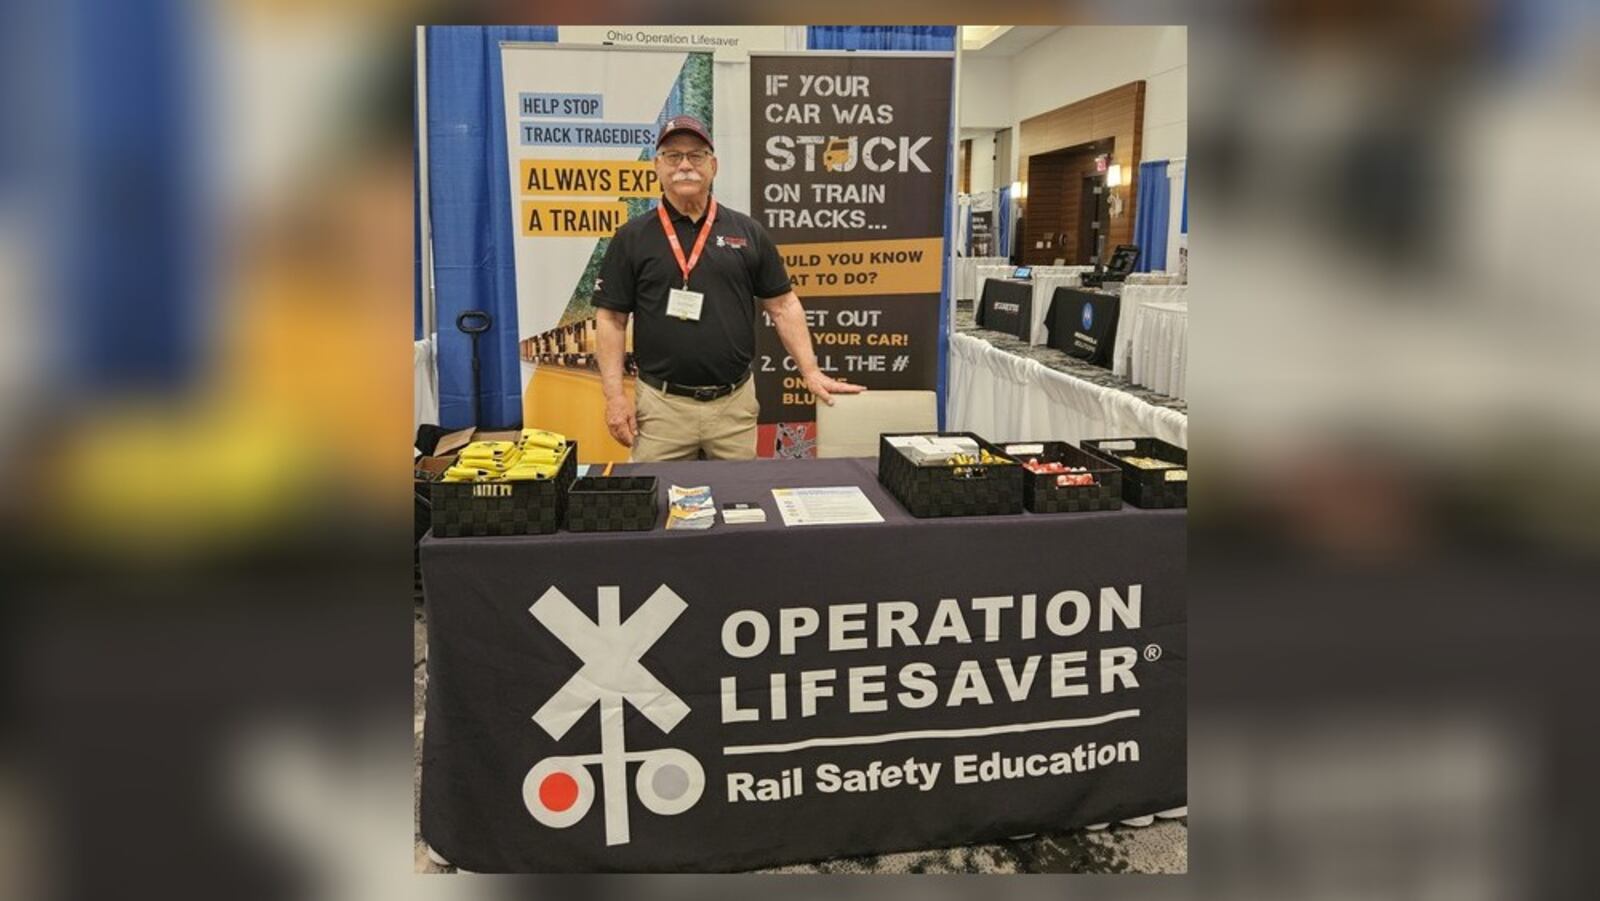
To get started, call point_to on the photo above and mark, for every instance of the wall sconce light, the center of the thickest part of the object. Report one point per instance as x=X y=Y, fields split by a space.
x=1019 y=190
x=1113 y=182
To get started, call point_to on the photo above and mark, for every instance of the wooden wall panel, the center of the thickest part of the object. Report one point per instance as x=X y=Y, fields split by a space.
x=1117 y=115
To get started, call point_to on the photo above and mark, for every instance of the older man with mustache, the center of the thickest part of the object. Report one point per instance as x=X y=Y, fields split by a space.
x=691 y=273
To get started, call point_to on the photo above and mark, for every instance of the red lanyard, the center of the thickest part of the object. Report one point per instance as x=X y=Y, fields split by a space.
x=699 y=243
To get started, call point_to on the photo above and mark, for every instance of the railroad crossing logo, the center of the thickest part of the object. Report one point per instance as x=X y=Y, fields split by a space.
x=559 y=790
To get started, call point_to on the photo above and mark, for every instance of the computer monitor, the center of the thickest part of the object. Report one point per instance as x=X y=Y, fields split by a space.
x=1022 y=272
x=1122 y=262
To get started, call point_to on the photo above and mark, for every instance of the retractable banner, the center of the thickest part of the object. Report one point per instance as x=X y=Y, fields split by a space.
x=849 y=175
x=581 y=128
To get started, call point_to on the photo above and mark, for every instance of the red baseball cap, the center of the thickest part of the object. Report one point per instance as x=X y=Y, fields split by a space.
x=685 y=123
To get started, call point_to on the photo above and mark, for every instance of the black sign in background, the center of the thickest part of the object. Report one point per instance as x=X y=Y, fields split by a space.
x=1065 y=322
x=1018 y=322
x=492 y=666
x=918 y=89
x=981 y=237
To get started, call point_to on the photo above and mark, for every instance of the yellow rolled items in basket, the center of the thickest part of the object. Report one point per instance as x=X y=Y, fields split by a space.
x=499 y=451
x=530 y=471
x=537 y=463
x=532 y=438
x=493 y=469
x=497 y=463
x=542 y=455
x=461 y=472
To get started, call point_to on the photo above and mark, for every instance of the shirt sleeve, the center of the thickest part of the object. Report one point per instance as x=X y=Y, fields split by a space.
x=770 y=278
x=614 y=286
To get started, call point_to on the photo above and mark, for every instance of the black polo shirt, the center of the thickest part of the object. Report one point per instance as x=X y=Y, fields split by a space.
x=738 y=267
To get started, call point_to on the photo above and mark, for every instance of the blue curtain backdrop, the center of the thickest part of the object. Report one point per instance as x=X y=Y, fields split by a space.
x=907 y=37
x=473 y=262
x=881 y=37
x=1153 y=217
x=132 y=315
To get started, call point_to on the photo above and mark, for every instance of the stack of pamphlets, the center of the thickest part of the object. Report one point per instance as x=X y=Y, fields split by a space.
x=690 y=508
x=736 y=512
x=925 y=450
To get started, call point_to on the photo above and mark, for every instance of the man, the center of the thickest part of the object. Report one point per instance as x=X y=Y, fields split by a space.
x=691 y=272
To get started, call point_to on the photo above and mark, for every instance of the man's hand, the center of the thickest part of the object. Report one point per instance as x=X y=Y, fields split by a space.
x=620 y=420
x=825 y=388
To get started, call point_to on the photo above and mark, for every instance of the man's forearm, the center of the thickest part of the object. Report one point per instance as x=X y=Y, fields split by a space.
x=613 y=340
x=789 y=321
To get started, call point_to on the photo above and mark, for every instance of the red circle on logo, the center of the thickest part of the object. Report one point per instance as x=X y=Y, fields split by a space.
x=558 y=792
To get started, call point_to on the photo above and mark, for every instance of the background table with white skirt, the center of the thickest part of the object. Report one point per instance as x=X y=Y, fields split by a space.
x=965 y=274
x=1046 y=279
x=1160 y=348
x=1134 y=297
x=1005 y=397
x=982 y=272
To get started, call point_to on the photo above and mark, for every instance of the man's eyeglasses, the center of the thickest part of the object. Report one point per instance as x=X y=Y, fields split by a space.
x=676 y=158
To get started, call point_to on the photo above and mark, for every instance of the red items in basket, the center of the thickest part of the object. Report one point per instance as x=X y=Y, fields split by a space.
x=1065 y=475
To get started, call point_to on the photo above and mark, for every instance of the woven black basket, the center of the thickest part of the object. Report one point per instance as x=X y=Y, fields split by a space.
x=613 y=504
x=984 y=489
x=462 y=509
x=1041 y=494
x=1150 y=488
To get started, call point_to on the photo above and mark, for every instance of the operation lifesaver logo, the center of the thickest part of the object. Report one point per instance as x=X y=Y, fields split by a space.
x=559 y=790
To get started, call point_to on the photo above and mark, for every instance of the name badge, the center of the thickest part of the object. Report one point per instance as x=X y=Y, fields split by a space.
x=685 y=304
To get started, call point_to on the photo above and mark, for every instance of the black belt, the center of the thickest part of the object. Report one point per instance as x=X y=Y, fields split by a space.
x=698 y=392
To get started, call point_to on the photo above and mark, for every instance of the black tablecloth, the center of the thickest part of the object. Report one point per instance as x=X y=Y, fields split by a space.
x=1084 y=324
x=1046 y=652
x=1006 y=306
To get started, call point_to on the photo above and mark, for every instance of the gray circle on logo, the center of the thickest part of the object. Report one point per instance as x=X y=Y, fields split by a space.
x=670 y=782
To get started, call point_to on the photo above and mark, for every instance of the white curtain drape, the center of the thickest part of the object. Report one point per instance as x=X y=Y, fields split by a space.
x=1004 y=397
x=424 y=383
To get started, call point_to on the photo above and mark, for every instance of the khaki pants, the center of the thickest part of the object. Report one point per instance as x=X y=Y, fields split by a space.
x=677 y=428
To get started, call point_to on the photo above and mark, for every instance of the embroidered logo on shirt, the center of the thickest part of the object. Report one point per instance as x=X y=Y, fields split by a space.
x=726 y=241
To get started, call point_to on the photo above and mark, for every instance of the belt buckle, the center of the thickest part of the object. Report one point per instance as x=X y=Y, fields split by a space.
x=705 y=394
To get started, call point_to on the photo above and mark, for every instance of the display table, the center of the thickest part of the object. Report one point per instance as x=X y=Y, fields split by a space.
x=1083 y=324
x=1134 y=296
x=752 y=695
x=965 y=274
x=1055 y=271
x=1006 y=397
x=1006 y=306
x=1046 y=279
x=1160 y=348
x=983 y=271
